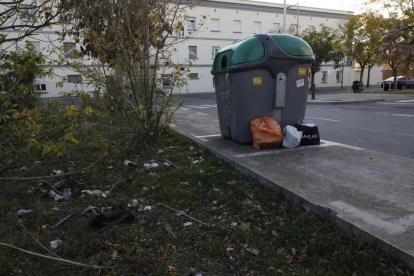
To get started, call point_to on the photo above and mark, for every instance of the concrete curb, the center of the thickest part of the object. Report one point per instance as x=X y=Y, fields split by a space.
x=311 y=102
x=394 y=252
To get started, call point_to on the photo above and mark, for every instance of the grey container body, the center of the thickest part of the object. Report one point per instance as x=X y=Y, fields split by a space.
x=274 y=86
x=239 y=101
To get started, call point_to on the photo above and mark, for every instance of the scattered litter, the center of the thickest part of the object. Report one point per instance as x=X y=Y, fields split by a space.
x=216 y=190
x=23 y=168
x=133 y=164
x=36 y=162
x=254 y=251
x=22 y=212
x=152 y=165
x=145 y=189
x=141 y=208
x=234 y=224
x=126 y=162
x=62 y=221
x=44 y=227
x=167 y=164
x=134 y=202
x=115 y=215
x=114 y=254
x=130 y=178
x=81 y=196
x=201 y=171
x=307 y=209
x=90 y=208
x=55 y=244
x=199 y=274
x=107 y=193
x=180 y=213
x=172 y=164
x=29 y=191
x=58 y=171
x=197 y=161
x=184 y=183
x=67 y=194
x=55 y=209
x=160 y=151
x=230 y=249
x=147 y=208
x=110 y=167
x=201 y=191
x=215 y=202
x=191 y=148
x=55 y=196
x=248 y=201
x=94 y=193
x=188 y=224
x=274 y=233
x=232 y=182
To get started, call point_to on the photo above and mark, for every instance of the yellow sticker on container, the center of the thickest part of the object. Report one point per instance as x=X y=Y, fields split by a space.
x=257 y=81
x=302 y=71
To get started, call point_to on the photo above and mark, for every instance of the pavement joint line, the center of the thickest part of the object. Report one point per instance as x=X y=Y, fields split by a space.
x=204 y=136
x=403 y=115
x=391 y=227
x=195 y=136
x=323 y=119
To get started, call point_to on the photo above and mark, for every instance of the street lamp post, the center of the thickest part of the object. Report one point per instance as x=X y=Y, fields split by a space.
x=284 y=17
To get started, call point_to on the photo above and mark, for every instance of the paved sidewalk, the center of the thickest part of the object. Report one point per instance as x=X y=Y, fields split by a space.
x=369 y=95
x=366 y=192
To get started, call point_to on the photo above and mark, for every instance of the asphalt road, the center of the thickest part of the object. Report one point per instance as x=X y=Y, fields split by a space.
x=386 y=127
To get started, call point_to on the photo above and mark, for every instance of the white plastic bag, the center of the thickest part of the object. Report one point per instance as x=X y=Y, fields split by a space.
x=291 y=137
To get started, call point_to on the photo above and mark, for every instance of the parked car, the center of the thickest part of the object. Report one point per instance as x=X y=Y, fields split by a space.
x=355 y=86
x=401 y=83
x=409 y=82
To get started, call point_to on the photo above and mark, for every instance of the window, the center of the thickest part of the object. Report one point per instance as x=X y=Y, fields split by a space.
x=338 y=76
x=166 y=81
x=324 y=76
x=215 y=25
x=41 y=84
x=257 y=27
x=191 y=24
x=164 y=54
x=193 y=75
x=75 y=78
x=37 y=46
x=214 y=51
x=276 y=28
x=192 y=50
x=236 y=26
x=29 y=14
x=69 y=48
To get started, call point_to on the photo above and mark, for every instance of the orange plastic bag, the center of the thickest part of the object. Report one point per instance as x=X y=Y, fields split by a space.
x=266 y=133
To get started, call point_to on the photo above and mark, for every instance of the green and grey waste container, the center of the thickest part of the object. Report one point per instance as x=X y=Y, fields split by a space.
x=261 y=76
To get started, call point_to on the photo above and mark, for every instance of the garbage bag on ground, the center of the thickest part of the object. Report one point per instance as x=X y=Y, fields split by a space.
x=292 y=137
x=266 y=133
x=115 y=215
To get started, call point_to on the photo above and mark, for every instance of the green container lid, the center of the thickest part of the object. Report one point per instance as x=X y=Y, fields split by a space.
x=246 y=50
x=292 y=45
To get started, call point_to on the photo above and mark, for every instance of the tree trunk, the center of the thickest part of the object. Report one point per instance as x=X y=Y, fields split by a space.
x=394 y=73
x=361 y=77
x=369 y=74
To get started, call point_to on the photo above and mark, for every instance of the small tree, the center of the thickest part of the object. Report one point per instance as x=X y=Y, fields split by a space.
x=321 y=42
x=130 y=43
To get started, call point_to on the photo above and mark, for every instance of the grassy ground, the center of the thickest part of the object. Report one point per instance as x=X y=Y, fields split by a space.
x=234 y=226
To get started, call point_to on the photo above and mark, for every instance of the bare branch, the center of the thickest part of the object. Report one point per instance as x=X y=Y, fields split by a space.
x=50 y=258
x=50 y=176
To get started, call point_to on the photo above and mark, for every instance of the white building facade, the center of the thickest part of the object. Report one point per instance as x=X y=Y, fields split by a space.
x=226 y=22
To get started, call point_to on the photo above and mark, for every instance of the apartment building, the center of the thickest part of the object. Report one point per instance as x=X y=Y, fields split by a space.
x=226 y=21
x=230 y=20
